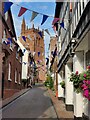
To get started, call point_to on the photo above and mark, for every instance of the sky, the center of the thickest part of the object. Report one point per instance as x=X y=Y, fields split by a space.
x=47 y=8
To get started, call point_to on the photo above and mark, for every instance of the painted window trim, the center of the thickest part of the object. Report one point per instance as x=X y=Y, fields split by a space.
x=19 y=79
x=15 y=75
x=9 y=73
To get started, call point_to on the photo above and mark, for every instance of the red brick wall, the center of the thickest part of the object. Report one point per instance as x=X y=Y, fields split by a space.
x=9 y=92
x=10 y=87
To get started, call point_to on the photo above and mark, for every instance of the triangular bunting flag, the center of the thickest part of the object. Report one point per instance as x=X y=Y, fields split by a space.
x=24 y=38
x=34 y=14
x=22 y=11
x=44 y=19
x=29 y=37
x=54 y=28
x=34 y=53
x=8 y=41
x=40 y=33
x=7 y=6
x=38 y=54
x=62 y=25
x=30 y=62
x=70 y=7
x=46 y=30
x=55 y=20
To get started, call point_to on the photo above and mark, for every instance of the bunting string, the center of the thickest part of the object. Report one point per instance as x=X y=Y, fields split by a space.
x=7 y=5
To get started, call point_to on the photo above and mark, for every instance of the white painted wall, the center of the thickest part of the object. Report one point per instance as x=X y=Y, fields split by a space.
x=78 y=98
x=68 y=85
x=60 y=89
x=24 y=59
x=25 y=67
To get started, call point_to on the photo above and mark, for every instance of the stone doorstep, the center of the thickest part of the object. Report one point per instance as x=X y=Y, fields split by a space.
x=12 y=98
x=60 y=109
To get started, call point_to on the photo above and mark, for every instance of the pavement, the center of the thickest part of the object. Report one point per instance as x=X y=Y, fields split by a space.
x=59 y=105
x=6 y=101
x=60 y=109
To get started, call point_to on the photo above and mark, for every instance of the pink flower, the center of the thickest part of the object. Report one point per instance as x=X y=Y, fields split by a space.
x=84 y=81
x=86 y=93
x=88 y=67
x=76 y=72
x=84 y=86
x=85 y=75
x=89 y=82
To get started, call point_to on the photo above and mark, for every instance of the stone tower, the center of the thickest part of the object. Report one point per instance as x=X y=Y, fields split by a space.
x=34 y=43
x=23 y=26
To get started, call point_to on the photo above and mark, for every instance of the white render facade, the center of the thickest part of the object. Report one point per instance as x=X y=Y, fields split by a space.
x=74 y=53
x=25 y=62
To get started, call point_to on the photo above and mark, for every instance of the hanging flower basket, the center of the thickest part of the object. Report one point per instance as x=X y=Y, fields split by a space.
x=77 y=82
x=85 y=77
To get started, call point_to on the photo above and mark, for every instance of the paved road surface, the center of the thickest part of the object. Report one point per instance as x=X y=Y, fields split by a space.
x=35 y=103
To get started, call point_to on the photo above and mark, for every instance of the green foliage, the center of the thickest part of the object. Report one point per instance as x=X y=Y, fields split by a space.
x=62 y=84
x=85 y=75
x=49 y=82
x=77 y=82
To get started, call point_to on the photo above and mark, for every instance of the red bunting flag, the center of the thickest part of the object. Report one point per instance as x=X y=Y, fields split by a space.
x=22 y=11
x=55 y=20
x=54 y=28
x=70 y=7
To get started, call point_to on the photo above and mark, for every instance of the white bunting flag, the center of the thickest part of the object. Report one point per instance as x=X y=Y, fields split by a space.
x=34 y=14
x=29 y=37
x=46 y=30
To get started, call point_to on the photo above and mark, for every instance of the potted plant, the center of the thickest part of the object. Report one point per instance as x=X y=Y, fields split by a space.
x=62 y=84
x=85 y=77
x=77 y=82
x=49 y=81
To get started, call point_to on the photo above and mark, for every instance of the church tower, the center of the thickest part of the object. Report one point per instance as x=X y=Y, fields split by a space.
x=23 y=26
x=35 y=43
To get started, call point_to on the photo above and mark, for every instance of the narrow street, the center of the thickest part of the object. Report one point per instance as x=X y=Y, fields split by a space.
x=35 y=103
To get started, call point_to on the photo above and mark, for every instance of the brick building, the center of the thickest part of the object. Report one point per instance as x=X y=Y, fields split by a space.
x=35 y=43
x=53 y=60
x=12 y=67
x=52 y=46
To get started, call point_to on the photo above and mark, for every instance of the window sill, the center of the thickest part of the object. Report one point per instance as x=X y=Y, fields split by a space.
x=16 y=82
x=19 y=83
x=9 y=80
